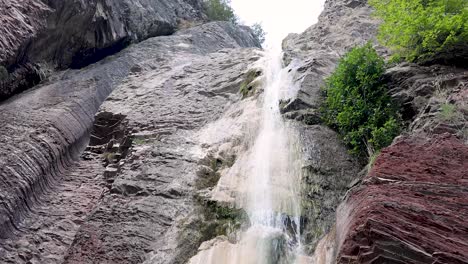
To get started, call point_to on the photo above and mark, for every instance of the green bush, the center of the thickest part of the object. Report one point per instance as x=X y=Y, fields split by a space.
x=219 y=10
x=357 y=103
x=259 y=32
x=418 y=30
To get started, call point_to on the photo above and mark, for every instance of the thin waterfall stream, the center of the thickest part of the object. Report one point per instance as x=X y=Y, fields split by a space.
x=273 y=203
x=271 y=171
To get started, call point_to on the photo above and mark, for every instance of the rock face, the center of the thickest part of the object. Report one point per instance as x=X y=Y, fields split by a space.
x=410 y=207
x=39 y=36
x=312 y=56
x=165 y=83
x=422 y=92
x=406 y=202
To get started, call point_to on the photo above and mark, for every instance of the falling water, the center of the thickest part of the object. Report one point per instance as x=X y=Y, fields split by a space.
x=273 y=201
x=270 y=194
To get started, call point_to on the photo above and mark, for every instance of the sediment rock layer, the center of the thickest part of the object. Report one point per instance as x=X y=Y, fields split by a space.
x=39 y=36
x=411 y=208
x=163 y=90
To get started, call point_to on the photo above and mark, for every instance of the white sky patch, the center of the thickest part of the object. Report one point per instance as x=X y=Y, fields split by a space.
x=279 y=17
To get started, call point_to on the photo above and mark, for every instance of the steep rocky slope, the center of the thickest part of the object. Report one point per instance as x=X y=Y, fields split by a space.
x=53 y=205
x=408 y=209
x=312 y=56
x=39 y=36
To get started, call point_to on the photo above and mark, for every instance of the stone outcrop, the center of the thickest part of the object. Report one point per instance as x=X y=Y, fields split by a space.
x=423 y=91
x=410 y=207
x=37 y=37
x=163 y=93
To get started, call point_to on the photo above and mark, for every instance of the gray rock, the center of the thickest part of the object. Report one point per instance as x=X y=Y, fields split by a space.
x=327 y=173
x=183 y=81
x=421 y=92
x=37 y=36
x=311 y=57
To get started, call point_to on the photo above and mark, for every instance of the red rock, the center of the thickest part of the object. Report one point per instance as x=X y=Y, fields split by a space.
x=411 y=208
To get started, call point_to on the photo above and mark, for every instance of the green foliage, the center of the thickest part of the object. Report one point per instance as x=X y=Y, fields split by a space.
x=372 y=160
x=447 y=112
x=219 y=10
x=138 y=141
x=357 y=104
x=259 y=32
x=417 y=30
x=247 y=87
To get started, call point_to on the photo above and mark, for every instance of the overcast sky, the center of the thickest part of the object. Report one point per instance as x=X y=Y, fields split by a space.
x=279 y=17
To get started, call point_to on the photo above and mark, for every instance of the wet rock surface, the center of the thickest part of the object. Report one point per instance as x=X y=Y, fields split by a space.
x=39 y=36
x=153 y=192
x=312 y=56
x=165 y=92
x=410 y=207
x=327 y=174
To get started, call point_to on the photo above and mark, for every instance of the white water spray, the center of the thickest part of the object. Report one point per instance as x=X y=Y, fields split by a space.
x=274 y=172
x=271 y=171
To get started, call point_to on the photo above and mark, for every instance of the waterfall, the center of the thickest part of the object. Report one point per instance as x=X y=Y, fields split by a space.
x=271 y=174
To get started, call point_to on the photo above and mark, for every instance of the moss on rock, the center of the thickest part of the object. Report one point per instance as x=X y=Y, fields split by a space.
x=248 y=86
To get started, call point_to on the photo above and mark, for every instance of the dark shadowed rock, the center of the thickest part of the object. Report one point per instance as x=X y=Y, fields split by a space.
x=327 y=173
x=39 y=36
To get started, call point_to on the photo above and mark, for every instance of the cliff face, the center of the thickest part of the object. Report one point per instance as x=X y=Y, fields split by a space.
x=37 y=37
x=128 y=159
x=312 y=56
x=56 y=205
x=408 y=208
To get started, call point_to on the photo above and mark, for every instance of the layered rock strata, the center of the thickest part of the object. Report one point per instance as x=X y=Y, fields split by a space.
x=164 y=92
x=410 y=207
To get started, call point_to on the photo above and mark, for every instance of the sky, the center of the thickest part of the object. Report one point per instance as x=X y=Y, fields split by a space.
x=279 y=17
